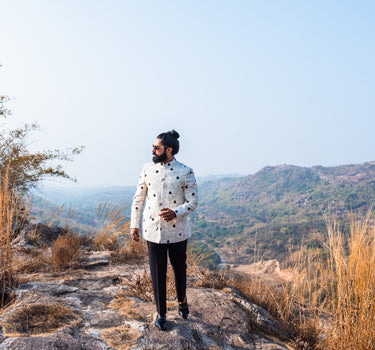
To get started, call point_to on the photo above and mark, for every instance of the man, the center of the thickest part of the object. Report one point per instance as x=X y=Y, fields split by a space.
x=170 y=191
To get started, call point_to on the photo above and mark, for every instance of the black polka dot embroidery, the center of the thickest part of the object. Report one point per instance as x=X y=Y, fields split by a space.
x=168 y=241
x=189 y=208
x=171 y=169
x=157 y=171
x=176 y=211
x=174 y=225
x=186 y=186
x=169 y=164
x=149 y=184
x=174 y=202
x=192 y=194
x=161 y=204
x=152 y=219
x=177 y=177
x=187 y=201
x=180 y=234
x=141 y=187
x=155 y=194
x=170 y=192
x=136 y=208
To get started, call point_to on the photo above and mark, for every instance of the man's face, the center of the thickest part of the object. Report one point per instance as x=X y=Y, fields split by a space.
x=158 y=152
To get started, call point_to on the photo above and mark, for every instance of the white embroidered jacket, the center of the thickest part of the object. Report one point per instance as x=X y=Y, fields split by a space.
x=171 y=185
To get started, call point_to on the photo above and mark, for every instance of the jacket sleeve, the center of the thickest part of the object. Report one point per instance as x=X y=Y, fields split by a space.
x=191 y=196
x=138 y=201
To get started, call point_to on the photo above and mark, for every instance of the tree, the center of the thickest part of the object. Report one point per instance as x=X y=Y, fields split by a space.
x=24 y=168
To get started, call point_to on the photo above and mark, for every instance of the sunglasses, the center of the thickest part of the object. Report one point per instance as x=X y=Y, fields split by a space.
x=158 y=147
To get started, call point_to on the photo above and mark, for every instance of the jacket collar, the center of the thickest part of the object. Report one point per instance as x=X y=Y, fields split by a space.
x=172 y=163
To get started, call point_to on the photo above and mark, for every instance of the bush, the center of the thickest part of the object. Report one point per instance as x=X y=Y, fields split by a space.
x=65 y=251
x=26 y=168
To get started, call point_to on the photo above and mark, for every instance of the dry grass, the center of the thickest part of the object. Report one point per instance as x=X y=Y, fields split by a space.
x=65 y=251
x=8 y=213
x=115 y=226
x=131 y=252
x=34 y=238
x=34 y=261
x=140 y=286
x=331 y=304
x=121 y=338
x=39 y=318
x=195 y=259
x=85 y=240
x=349 y=287
x=212 y=279
x=125 y=305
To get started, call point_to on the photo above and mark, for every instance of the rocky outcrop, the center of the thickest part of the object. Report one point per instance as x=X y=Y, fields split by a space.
x=218 y=319
x=36 y=235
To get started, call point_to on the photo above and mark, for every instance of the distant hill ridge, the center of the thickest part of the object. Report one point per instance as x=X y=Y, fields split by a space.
x=265 y=213
x=282 y=204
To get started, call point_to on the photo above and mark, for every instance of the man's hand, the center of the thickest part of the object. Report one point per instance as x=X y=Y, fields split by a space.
x=134 y=232
x=167 y=214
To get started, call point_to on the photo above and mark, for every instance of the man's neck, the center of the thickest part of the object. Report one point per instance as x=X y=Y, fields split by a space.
x=168 y=160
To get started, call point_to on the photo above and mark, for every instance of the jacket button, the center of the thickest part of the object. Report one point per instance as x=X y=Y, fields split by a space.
x=167 y=241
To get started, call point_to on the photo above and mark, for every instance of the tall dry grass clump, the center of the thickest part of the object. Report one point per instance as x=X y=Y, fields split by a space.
x=114 y=228
x=350 y=287
x=130 y=252
x=65 y=251
x=8 y=215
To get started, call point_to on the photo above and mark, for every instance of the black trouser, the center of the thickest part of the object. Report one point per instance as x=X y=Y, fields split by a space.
x=157 y=254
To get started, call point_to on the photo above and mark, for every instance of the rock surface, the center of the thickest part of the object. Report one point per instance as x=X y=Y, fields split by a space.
x=37 y=234
x=217 y=320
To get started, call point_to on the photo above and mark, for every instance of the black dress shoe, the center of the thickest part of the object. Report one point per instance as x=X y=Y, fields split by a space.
x=161 y=323
x=183 y=310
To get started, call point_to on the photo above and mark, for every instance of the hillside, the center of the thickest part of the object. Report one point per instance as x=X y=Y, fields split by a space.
x=268 y=213
x=264 y=215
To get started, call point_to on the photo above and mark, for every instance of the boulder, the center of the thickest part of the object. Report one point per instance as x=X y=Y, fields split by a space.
x=37 y=235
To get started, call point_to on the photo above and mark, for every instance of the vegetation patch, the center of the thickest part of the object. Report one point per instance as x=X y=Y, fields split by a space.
x=39 y=318
x=140 y=286
x=65 y=251
x=121 y=338
x=34 y=261
x=125 y=305
x=131 y=252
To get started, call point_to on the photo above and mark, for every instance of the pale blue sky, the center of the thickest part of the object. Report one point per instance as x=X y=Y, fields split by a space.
x=246 y=83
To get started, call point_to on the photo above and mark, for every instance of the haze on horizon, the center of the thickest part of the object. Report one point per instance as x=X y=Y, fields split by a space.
x=246 y=84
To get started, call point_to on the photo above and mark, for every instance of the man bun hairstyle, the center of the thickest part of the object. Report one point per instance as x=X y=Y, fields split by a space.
x=170 y=139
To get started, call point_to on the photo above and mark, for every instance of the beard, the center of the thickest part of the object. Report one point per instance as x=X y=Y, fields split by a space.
x=159 y=159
